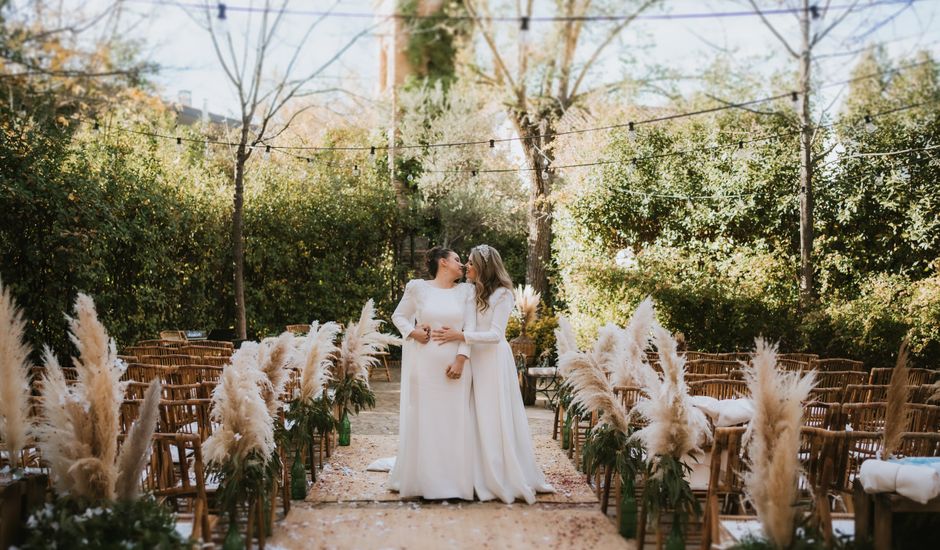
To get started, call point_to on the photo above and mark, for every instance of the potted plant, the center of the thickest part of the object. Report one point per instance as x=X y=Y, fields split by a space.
x=310 y=409
x=357 y=355
x=527 y=305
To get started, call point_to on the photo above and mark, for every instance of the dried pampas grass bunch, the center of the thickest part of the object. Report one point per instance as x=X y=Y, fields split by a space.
x=137 y=447
x=316 y=350
x=565 y=341
x=245 y=425
x=896 y=406
x=676 y=427
x=15 y=424
x=774 y=441
x=362 y=340
x=585 y=374
x=274 y=360
x=527 y=303
x=79 y=435
x=636 y=336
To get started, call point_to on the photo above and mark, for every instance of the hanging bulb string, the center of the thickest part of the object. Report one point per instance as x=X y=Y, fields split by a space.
x=491 y=142
x=518 y=20
x=704 y=148
x=635 y=123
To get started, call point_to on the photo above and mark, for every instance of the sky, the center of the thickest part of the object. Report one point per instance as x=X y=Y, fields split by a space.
x=181 y=46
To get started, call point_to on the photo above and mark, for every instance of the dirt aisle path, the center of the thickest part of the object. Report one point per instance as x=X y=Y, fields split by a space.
x=349 y=507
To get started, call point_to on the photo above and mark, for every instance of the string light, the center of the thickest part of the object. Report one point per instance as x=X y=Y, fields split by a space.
x=356 y=170
x=372 y=151
x=870 y=125
x=267 y=152
x=814 y=11
x=631 y=131
x=493 y=147
x=222 y=18
x=795 y=101
x=473 y=173
x=540 y=19
x=741 y=153
x=97 y=126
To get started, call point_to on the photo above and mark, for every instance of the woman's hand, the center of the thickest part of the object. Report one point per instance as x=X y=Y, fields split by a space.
x=455 y=369
x=446 y=334
x=421 y=334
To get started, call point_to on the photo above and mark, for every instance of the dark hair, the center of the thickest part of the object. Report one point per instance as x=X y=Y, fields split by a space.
x=435 y=255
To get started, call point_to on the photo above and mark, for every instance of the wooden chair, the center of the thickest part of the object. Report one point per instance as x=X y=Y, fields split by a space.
x=696 y=355
x=871 y=393
x=827 y=395
x=719 y=389
x=172 y=336
x=176 y=475
x=384 y=357
x=837 y=378
x=205 y=351
x=818 y=414
x=792 y=365
x=216 y=344
x=736 y=356
x=836 y=364
x=147 y=373
x=711 y=367
x=725 y=480
x=198 y=374
x=190 y=416
x=803 y=357
x=915 y=376
x=174 y=360
x=299 y=329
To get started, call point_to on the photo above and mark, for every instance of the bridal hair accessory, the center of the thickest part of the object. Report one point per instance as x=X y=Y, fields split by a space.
x=484 y=250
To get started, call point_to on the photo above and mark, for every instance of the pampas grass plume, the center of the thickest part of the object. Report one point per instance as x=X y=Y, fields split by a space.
x=634 y=369
x=527 y=303
x=15 y=424
x=79 y=436
x=361 y=341
x=896 y=406
x=245 y=424
x=774 y=442
x=137 y=446
x=274 y=359
x=565 y=341
x=676 y=427
x=316 y=351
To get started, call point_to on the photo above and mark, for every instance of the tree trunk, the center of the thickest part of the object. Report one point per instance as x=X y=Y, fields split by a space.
x=238 y=240
x=806 y=166
x=539 y=159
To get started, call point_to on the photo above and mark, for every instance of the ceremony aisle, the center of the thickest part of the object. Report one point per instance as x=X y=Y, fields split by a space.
x=348 y=507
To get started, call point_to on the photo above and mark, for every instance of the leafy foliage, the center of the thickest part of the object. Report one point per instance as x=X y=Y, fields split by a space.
x=136 y=524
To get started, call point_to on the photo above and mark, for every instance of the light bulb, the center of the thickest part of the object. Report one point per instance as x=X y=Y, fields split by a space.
x=267 y=152
x=631 y=132
x=372 y=151
x=795 y=101
x=355 y=169
x=740 y=153
x=222 y=19
x=493 y=147
x=870 y=125
x=524 y=31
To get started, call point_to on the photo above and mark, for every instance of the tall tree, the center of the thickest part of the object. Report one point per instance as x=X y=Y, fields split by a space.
x=815 y=23
x=543 y=83
x=262 y=99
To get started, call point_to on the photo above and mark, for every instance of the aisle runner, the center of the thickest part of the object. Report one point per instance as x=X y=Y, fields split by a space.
x=345 y=479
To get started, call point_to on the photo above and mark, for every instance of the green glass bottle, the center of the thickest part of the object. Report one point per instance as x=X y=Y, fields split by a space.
x=298 y=478
x=345 y=430
x=628 y=509
x=676 y=540
x=233 y=539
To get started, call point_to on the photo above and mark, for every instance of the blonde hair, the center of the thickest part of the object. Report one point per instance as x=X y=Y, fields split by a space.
x=491 y=273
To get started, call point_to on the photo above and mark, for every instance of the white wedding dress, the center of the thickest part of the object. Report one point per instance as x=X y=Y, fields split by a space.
x=435 y=436
x=504 y=464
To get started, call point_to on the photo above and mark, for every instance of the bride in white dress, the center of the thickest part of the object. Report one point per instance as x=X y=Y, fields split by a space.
x=504 y=464
x=435 y=437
